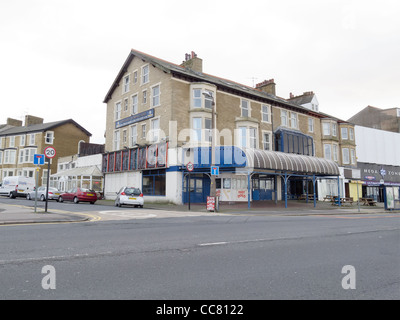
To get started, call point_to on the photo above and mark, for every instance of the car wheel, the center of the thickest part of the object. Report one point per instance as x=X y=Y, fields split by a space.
x=28 y=197
x=141 y=206
x=76 y=200
x=11 y=195
x=60 y=199
x=42 y=198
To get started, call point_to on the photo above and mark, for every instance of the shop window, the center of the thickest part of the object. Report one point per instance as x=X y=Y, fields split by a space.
x=154 y=182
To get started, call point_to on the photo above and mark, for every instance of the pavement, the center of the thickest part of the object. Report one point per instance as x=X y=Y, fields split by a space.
x=11 y=214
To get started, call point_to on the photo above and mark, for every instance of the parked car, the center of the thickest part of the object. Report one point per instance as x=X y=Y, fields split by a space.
x=78 y=195
x=17 y=186
x=129 y=195
x=54 y=194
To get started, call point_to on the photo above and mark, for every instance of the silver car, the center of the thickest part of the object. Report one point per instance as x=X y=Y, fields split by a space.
x=54 y=194
x=129 y=195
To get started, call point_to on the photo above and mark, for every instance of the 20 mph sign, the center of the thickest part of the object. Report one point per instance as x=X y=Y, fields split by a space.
x=50 y=152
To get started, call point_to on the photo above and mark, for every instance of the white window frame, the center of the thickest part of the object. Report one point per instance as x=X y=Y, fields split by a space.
x=22 y=140
x=267 y=145
x=126 y=104
x=10 y=156
x=1 y=157
x=311 y=125
x=351 y=134
x=284 y=118
x=124 y=136
x=144 y=131
x=134 y=135
x=326 y=128
x=245 y=107
x=155 y=131
x=117 y=140
x=266 y=113
x=197 y=126
x=117 y=110
x=156 y=98
x=135 y=104
x=353 y=156
x=145 y=76
x=245 y=138
x=144 y=96
x=335 y=152
x=135 y=77
x=197 y=99
x=12 y=142
x=328 y=151
x=294 y=120
x=49 y=137
x=345 y=156
x=31 y=139
x=344 y=133
x=125 y=84
x=334 y=129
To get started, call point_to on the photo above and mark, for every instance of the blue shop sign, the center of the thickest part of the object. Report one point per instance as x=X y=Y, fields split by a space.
x=134 y=118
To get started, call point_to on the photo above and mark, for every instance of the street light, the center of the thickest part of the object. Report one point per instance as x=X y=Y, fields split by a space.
x=213 y=189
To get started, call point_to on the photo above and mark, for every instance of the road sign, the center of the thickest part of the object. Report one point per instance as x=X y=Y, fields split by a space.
x=38 y=159
x=190 y=167
x=214 y=171
x=50 y=152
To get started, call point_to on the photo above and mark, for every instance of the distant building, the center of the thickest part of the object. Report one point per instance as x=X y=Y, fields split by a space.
x=19 y=143
x=383 y=119
x=307 y=100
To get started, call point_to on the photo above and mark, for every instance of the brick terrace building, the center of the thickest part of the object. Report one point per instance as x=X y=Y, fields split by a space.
x=163 y=111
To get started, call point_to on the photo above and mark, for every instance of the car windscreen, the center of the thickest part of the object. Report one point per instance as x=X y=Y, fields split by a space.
x=132 y=191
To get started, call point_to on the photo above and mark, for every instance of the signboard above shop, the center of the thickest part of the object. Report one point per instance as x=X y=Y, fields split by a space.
x=134 y=118
x=375 y=174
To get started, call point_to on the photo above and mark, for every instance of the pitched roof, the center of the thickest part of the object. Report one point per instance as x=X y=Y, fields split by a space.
x=178 y=70
x=41 y=128
x=303 y=99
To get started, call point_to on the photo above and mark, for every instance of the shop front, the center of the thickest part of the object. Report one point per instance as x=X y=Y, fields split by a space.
x=376 y=177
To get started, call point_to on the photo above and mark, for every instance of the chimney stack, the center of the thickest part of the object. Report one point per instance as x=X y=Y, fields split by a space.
x=31 y=120
x=14 y=122
x=192 y=62
x=267 y=86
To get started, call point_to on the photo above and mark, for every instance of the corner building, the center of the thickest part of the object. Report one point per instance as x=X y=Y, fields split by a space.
x=160 y=118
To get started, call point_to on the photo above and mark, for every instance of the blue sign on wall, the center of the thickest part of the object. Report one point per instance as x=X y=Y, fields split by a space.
x=134 y=118
x=38 y=159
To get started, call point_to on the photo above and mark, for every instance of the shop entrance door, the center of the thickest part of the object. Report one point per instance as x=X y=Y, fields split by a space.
x=199 y=188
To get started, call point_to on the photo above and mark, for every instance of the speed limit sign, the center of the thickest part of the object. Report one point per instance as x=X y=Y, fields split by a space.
x=50 y=152
x=190 y=167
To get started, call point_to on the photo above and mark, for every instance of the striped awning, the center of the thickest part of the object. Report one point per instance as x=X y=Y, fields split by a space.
x=291 y=163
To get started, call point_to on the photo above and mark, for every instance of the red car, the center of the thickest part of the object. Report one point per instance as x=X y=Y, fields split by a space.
x=78 y=195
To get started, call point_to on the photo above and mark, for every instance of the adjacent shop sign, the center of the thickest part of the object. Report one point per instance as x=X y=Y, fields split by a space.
x=376 y=173
x=134 y=118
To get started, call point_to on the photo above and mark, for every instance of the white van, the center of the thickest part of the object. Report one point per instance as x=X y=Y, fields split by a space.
x=17 y=186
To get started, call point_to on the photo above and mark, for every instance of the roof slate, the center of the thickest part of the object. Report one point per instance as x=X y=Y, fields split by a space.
x=40 y=128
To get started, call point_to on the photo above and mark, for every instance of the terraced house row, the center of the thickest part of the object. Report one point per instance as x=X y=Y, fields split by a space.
x=162 y=116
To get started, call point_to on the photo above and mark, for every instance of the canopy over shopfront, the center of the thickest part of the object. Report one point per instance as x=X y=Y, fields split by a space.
x=89 y=177
x=290 y=163
x=274 y=163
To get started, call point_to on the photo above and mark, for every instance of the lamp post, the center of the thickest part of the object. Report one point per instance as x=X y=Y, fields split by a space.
x=213 y=189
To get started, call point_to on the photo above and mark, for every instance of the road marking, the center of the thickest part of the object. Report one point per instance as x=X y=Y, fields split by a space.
x=212 y=244
x=128 y=214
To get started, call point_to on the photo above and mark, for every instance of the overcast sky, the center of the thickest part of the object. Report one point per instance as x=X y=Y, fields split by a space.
x=59 y=58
